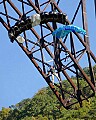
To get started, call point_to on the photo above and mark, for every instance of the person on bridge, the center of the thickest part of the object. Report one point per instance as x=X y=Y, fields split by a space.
x=52 y=71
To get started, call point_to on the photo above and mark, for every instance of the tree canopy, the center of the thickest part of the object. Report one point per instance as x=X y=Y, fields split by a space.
x=45 y=106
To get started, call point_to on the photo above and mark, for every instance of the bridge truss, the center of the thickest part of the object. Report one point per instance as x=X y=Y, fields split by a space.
x=45 y=51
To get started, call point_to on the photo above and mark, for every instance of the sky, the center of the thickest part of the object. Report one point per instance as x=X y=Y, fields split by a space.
x=19 y=79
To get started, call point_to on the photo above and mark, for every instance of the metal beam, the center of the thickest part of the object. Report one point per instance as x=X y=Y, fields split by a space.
x=86 y=39
x=95 y=7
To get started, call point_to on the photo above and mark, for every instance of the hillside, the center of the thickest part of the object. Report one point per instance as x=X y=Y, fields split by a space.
x=45 y=106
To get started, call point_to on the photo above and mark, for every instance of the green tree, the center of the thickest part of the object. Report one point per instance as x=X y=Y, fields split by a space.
x=4 y=113
x=45 y=106
x=28 y=118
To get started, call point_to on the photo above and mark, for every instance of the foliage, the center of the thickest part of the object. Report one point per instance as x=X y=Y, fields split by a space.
x=4 y=113
x=45 y=106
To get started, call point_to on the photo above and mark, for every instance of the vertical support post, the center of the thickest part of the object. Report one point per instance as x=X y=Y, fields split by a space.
x=56 y=42
x=84 y=20
x=95 y=7
x=37 y=4
x=86 y=39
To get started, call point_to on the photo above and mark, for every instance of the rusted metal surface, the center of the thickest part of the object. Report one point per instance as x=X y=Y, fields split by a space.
x=81 y=70
x=61 y=53
x=4 y=24
x=86 y=38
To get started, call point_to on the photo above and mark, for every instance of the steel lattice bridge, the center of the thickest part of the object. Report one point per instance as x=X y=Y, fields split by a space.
x=40 y=19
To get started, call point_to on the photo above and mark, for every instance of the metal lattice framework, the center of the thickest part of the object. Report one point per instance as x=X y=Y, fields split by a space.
x=44 y=50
